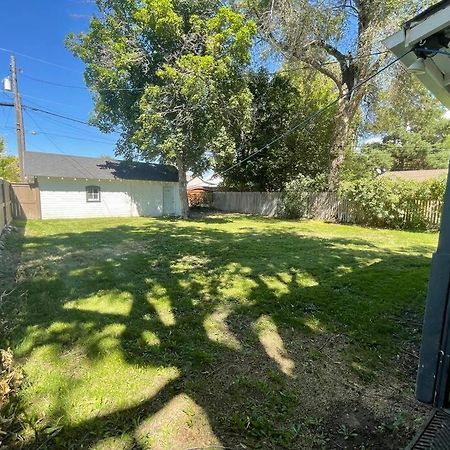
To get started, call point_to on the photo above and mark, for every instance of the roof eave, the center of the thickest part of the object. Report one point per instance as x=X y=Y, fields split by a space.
x=424 y=25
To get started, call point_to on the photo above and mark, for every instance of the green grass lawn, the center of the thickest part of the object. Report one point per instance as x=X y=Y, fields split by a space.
x=228 y=331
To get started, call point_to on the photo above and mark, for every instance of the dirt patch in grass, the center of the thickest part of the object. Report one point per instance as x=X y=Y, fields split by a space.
x=313 y=400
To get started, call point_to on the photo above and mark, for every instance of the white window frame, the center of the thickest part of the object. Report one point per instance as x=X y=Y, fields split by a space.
x=93 y=194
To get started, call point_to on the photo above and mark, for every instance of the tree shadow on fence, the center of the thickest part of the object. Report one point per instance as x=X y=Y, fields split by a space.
x=263 y=332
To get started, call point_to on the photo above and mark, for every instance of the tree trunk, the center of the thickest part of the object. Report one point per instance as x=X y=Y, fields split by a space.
x=182 y=186
x=341 y=135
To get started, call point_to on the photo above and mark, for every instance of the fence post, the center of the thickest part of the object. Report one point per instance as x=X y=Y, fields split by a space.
x=5 y=217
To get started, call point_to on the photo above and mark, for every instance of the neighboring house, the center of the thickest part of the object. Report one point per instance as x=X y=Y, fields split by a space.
x=417 y=175
x=200 y=191
x=198 y=183
x=81 y=187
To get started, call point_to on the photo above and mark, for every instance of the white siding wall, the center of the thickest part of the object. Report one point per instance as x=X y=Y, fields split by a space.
x=66 y=198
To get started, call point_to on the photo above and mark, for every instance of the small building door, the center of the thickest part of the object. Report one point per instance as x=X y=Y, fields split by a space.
x=168 y=201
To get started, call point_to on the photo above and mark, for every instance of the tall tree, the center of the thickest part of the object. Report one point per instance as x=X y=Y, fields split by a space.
x=169 y=74
x=338 y=38
x=411 y=123
x=9 y=165
x=280 y=102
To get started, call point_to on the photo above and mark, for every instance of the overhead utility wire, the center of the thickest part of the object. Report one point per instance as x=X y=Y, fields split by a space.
x=310 y=118
x=72 y=86
x=44 y=100
x=43 y=61
x=85 y=130
x=71 y=159
x=77 y=138
x=32 y=108
x=75 y=126
x=50 y=113
x=306 y=121
x=294 y=69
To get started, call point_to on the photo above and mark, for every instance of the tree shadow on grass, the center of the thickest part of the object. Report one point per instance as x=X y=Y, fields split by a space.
x=255 y=334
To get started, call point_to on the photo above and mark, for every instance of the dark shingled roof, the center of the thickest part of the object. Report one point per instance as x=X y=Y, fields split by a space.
x=53 y=165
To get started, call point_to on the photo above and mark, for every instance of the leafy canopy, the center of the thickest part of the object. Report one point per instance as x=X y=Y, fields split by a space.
x=9 y=165
x=340 y=39
x=202 y=97
x=169 y=74
x=411 y=125
x=279 y=103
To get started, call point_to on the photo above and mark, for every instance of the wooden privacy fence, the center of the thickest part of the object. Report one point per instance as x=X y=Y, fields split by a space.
x=26 y=201
x=6 y=214
x=324 y=206
x=18 y=201
x=258 y=203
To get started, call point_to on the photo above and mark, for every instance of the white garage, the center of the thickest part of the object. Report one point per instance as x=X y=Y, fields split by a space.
x=82 y=187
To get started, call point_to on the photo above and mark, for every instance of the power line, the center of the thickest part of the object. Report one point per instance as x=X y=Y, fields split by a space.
x=72 y=160
x=50 y=113
x=7 y=115
x=73 y=127
x=84 y=129
x=53 y=83
x=77 y=138
x=327 y=63
x=311 y=117
x=44 y=100
x=72 y=86
x=43 y=61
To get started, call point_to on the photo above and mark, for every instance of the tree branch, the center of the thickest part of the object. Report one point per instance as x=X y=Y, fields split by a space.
x=333 y=51
x=323 y=70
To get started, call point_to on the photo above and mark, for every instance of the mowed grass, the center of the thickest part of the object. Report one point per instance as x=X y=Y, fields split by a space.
x=227 y=331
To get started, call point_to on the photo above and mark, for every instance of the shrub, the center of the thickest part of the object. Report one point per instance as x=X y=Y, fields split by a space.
x=200 y=199
x=383 y=202
x=295 y=195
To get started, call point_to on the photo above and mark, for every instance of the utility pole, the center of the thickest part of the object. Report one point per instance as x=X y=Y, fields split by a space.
x=20 y=131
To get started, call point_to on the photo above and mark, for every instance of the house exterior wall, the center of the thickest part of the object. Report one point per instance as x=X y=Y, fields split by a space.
x=66 y=198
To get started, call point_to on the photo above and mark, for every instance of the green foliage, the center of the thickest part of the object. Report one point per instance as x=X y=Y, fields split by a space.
x=9 y=165
x=412 y=126
x=366 y=163
x=296 y=193
x=200 y=95
x=383 y=202
x=317 y=34
x=279 y=103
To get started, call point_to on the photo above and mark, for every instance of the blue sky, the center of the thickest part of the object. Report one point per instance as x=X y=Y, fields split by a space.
x=43 y=27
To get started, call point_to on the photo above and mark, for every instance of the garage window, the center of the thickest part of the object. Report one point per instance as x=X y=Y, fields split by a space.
x=93 y=194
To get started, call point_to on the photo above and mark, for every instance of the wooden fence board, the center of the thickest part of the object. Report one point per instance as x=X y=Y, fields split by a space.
x=26 y=201
x=5 y=205
x=258 y=203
